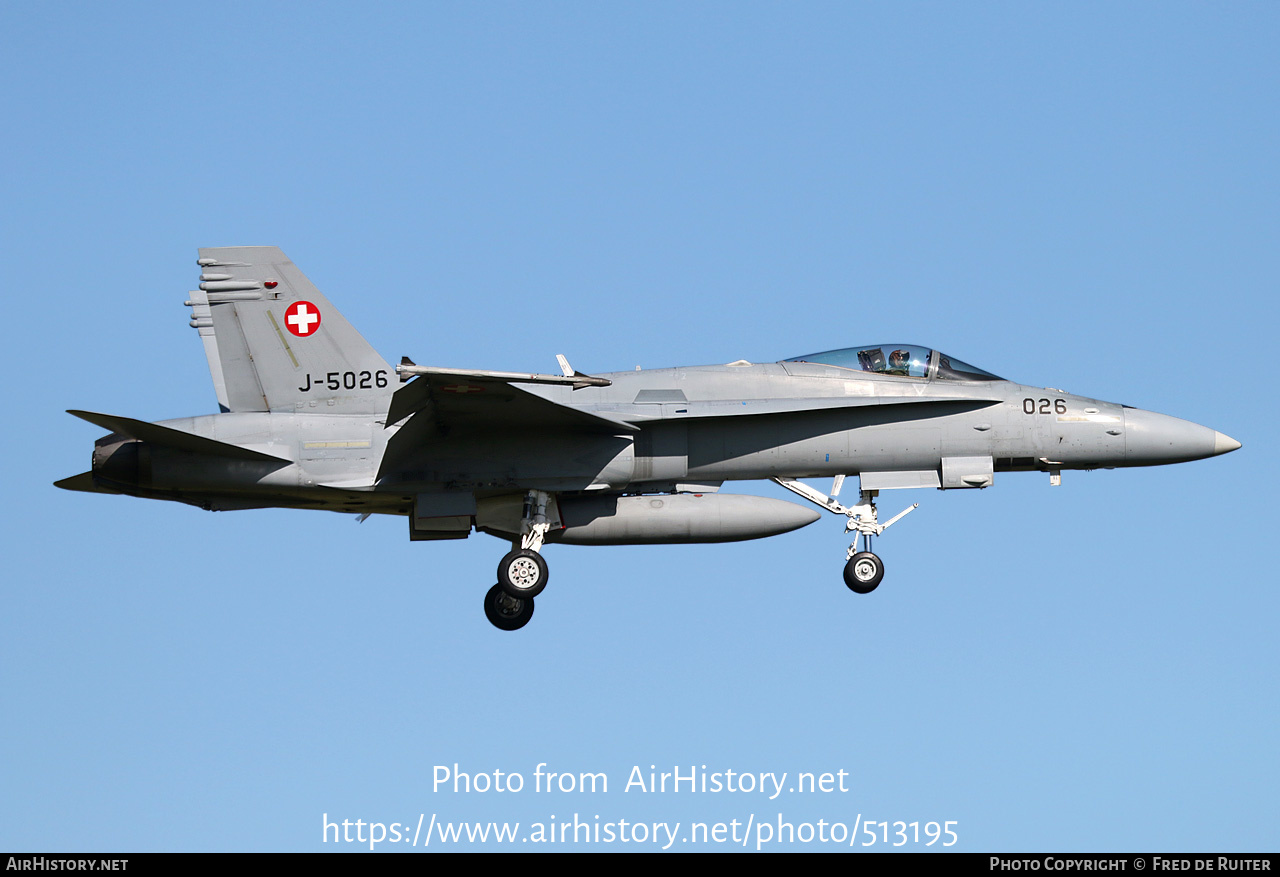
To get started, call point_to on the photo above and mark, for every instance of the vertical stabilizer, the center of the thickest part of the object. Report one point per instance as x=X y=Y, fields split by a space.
x=276 y=343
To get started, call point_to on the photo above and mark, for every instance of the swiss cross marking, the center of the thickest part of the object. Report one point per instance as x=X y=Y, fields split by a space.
x=302 y=318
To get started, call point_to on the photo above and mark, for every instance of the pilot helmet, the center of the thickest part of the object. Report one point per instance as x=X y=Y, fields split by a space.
x=899 y=359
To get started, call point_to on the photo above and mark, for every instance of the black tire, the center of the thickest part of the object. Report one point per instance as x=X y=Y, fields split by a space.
x=522 y=573
x=863 y=572
x=503 y=615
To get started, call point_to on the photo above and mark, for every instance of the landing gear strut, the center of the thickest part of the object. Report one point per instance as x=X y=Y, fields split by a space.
x=522 y=572
x=863 y=570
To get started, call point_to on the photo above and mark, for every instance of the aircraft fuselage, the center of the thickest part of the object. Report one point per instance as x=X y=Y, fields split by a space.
x=696 y=425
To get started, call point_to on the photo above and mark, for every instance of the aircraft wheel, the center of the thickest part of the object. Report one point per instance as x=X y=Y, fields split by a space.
x=522 y=573
x=863 y=572
x=505 y=612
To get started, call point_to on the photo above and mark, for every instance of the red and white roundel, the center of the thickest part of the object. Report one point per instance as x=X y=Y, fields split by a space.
x=302 y=318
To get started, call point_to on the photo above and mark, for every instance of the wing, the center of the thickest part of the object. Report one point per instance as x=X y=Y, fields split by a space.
x=459 y=402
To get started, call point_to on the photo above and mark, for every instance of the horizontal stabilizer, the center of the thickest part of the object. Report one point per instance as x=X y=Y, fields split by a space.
x=83 y=482
x=172 y=438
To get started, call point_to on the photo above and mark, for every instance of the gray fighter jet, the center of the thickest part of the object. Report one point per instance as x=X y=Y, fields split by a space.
x=312 y=417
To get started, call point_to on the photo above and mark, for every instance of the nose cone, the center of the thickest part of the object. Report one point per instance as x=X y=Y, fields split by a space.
x=1152 y=439
x=1224 y=444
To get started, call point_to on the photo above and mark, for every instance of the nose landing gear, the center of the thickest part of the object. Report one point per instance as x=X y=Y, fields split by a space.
x=863 y=570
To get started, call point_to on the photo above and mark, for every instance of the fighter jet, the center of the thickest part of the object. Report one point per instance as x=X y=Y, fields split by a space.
x=311 y=417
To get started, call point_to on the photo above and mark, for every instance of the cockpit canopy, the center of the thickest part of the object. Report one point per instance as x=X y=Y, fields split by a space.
x=902 y=360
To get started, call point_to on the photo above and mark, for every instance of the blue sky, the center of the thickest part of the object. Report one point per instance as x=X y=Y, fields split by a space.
x=1079 y=196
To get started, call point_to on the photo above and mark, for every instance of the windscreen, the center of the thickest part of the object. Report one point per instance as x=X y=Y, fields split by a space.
x=952 y=369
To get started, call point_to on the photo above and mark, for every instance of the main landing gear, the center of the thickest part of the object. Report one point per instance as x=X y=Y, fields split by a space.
x=863 y=570
x=506 y=612
x=522 y=572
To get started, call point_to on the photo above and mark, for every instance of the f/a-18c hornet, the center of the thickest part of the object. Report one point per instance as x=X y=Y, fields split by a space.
x=313 y=418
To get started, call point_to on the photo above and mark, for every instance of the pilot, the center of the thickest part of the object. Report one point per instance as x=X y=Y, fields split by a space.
x=899 y=363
